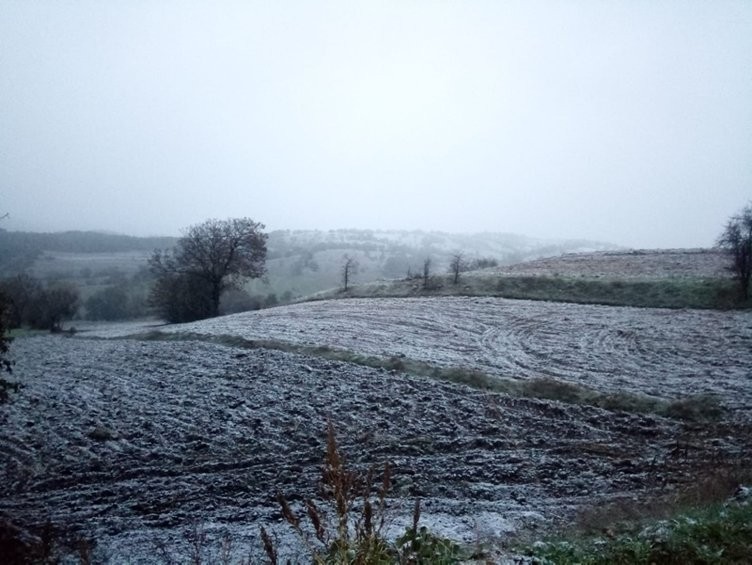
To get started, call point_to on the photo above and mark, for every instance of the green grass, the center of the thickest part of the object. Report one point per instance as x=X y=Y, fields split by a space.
x=647 y=293
x=691 y=408
x=720 y=533
x=659 y=293
x=26 y=332
x=707 y=520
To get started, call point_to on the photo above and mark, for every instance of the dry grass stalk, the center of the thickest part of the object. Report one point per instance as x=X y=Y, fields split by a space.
x=386 y=487
x=287 y=512
x=269 y=548
x=416 y=516
x=338 y=483
x=197 y=538
x=357 y=539
x=315 y=516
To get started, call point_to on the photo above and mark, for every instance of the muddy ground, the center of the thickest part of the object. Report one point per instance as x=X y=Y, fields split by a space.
x=139 y=443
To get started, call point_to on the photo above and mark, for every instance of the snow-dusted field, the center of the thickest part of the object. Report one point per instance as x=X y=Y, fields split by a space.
x=625 y=265
x=135 y=442
x=659 y=352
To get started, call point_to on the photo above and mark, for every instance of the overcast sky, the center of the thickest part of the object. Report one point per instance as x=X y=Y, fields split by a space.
x=628 y=122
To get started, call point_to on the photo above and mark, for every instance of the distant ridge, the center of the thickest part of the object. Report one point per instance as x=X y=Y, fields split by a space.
x=82 y=241
x=299 y=262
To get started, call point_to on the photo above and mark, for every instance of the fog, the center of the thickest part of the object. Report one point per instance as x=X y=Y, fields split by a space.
x=628 y=122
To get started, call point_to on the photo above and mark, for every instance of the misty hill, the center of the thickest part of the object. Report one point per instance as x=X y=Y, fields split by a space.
x=19 y=250
x=299 y=262
x=658 y=278
x=304 y=262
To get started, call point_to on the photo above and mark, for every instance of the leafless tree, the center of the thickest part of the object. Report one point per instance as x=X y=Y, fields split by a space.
x=736 y=239
x=456 y=265
x=210 y=258
x=349 y=268
x=426 y=273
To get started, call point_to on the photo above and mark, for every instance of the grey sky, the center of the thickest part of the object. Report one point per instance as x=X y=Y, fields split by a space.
x=629 y=122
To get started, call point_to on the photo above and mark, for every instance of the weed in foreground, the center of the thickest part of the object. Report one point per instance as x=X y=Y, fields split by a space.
x=355 y=534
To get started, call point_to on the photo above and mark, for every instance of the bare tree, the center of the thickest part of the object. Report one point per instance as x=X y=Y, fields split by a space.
x=349 y=268
x=209 y=259
x=426 y=273
x=736 y=239
x=456 y=265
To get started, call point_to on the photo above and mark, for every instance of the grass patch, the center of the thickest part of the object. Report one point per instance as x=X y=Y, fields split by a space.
x=705 y=293
x=706 y=521
x=551 y=389
x=26 y=332
x=693 y=408
x=699 y=407
x=471 y=378
x=696 y=408
x=658 y=293
x=720 y=533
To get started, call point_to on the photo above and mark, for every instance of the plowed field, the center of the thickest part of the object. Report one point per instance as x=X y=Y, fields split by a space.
x=135 y=442
x=659 y=352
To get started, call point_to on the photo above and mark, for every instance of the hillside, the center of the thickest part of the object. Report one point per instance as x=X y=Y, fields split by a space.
x=305 y=262
x=678 y=278
x=633 y=264
x=20 y=251
x=299 y=263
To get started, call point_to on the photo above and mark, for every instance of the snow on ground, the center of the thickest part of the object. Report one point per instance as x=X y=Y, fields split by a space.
x=142 y=443
x=625 y=265
x=659 y=352
x=139 y=443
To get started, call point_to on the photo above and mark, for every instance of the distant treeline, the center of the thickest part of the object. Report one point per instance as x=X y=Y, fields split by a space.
x=82 y=241
x=299 y=263
x=19 y=249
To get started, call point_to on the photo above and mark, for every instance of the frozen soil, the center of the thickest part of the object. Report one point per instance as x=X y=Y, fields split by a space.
x=663 y=353
x=135 y=442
